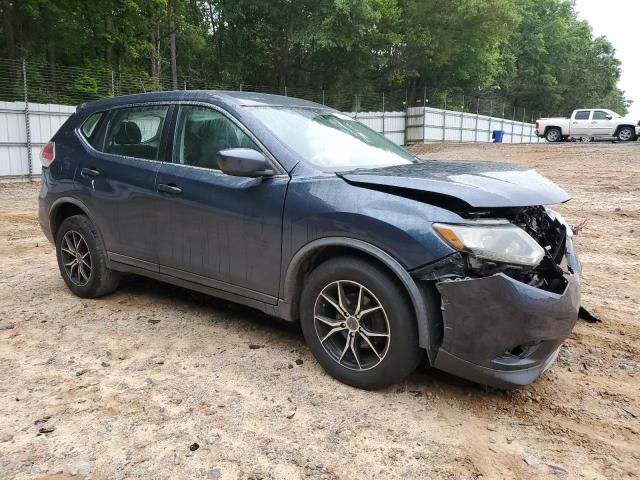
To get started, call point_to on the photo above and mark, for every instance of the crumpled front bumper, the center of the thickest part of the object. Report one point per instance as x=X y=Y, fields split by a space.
x=504 y=333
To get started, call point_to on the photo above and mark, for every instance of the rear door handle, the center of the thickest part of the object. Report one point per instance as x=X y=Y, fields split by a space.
x=89 y=172
x=162 y=187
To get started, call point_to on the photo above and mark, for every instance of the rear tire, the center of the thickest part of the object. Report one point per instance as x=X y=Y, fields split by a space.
x=626 y=134
x=373 y=343
x=82 y=259
x=553 y=135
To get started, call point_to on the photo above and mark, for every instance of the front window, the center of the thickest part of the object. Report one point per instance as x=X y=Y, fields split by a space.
x=330 y=140
x=201 y=133
x=600 y=115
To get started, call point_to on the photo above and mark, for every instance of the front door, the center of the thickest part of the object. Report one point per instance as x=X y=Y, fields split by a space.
x=215 y=229
x=603 y=124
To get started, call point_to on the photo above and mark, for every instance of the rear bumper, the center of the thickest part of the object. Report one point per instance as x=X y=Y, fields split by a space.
x=44 y=208
x=501 y=332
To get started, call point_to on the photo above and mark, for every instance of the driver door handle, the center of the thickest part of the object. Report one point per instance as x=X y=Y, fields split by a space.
x=173 y=189
x=89 y=172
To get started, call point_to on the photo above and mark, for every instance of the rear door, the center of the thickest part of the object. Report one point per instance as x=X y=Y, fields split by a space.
x=118 y=182
x=216 y=229
x=581 y=124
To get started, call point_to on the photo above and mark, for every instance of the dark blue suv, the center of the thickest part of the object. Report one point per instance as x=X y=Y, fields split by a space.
x=299 y=211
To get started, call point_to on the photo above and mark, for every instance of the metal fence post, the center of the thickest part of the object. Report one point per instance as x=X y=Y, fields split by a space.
x=475 y=133
x=27 y=122
x=113 y=85
x=490 y=118
x=524 y=111
x=383 y=114
x=444 y=118
x=323 y=96
x=424 y=115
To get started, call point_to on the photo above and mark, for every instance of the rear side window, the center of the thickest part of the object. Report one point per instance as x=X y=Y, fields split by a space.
x=582 y=115
x=136 y=132
x=201 y=133
x=90 y=128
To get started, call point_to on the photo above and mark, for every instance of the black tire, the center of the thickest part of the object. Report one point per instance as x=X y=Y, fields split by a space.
x=396 y=355
x=91 y=278
x=626 y=134
x=553 y=135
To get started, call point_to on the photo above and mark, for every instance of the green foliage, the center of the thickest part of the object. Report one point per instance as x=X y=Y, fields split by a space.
x=535 y=53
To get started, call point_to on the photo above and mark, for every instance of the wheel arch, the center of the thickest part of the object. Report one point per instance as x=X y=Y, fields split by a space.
x=317 y=251
x=625 y=125
x=66 y=207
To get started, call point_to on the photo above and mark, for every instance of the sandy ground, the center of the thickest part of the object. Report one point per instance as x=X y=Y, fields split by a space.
x=126 y=384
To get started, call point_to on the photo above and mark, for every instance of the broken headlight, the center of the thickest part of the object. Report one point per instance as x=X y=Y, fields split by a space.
x=500 y=242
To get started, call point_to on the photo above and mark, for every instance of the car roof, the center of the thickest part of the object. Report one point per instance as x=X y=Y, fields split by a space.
x=238 y=98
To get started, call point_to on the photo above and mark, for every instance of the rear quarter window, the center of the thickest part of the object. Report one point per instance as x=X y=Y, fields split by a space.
x=90 y=127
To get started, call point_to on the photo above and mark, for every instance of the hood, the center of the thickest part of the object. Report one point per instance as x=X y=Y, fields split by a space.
x=477 y=184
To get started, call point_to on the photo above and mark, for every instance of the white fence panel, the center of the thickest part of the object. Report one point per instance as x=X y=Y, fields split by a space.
x=390 y=124
x=44 y=122
x=435 y=125
x=416 y=125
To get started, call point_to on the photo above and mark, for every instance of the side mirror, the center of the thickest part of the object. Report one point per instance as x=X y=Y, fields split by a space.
x=243 y=162
x=609 y=117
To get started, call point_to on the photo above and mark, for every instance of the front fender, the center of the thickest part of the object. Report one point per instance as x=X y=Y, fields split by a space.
x=330 y=207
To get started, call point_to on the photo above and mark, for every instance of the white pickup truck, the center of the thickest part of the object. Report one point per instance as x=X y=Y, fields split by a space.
x=589 y=124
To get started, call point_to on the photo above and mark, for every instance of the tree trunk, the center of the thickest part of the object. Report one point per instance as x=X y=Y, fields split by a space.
x=158 y=58
x=109 y=27
x=7 y=29
x=172 y=46
x=152 y=57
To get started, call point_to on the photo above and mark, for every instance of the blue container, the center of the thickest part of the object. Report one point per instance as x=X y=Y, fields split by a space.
x=497 y=136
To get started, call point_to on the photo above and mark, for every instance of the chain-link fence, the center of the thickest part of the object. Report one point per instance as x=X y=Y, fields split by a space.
x=49 y=83
x=47 y=94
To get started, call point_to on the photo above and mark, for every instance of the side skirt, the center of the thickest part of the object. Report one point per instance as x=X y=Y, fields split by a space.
x=152 y=272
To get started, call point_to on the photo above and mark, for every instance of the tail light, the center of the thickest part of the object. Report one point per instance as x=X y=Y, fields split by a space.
x=537 y=125
x=48 y=154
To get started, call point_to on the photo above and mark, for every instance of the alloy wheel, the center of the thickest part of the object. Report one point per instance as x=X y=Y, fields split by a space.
x=553 y=135
x=76 y=258
x=352 y=325
x=625 y=134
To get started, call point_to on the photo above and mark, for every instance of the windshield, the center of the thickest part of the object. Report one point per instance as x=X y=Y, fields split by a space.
x=331 y=140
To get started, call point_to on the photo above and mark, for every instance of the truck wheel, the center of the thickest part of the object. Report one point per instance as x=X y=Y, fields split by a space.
x=358 y=324
x=553 y=135
x=626 y=134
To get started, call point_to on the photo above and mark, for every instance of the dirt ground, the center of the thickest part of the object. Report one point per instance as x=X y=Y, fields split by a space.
x=124 y=385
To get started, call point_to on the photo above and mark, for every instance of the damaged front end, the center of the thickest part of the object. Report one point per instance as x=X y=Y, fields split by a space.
x=503 y=320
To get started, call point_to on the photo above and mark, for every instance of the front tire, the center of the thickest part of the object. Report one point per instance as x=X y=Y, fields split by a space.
x=82 y=259
x=359 y=324
x=626 y=134
x=553 y=135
